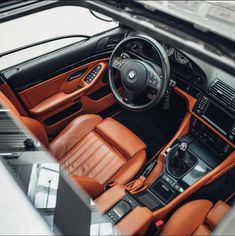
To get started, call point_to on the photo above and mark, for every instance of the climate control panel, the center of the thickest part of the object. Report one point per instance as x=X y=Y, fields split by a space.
x=210 y=139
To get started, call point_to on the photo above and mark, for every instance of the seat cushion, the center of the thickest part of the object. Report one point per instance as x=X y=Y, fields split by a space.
x=90 y=185
x=101 y=149
x=120 y=137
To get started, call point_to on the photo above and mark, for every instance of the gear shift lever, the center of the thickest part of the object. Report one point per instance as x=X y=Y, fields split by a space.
x=182 y=148
x=180 y=160
x=180 y=155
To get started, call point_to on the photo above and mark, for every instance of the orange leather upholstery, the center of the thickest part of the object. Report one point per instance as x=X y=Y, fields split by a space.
x=135 y=222
x=89 y=146
x=101 y=149
x=198 y=217
x=34 y=126
x=72 y=134
x=121 y=137
x=217 y=213
x=91 y=186
x=37 y=129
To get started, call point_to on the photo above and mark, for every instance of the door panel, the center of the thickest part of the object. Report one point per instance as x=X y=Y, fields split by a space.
x=55 y=89
x=58 y=100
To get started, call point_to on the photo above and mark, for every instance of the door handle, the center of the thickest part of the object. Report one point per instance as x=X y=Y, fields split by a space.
x=77 y=74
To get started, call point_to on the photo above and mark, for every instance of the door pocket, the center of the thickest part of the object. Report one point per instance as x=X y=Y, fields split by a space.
x=63 y=114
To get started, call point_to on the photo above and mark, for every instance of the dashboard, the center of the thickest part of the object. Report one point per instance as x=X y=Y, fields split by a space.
x=214 y=89
x=183 y=69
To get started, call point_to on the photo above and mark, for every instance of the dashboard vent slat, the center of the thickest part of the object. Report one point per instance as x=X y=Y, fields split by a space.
x=232 y=105
x=223 y=92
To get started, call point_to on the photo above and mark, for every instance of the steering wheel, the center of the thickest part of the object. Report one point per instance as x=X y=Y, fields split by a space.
x=138 y=75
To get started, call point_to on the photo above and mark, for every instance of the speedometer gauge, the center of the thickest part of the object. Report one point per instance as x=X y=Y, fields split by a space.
x=181 y=58
x=169 y=50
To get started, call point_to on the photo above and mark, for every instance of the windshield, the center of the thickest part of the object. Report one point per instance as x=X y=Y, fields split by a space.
x=216 y=16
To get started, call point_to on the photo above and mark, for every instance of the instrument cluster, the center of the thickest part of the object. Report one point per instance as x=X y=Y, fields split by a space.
x=179 y=57
x=173 y=54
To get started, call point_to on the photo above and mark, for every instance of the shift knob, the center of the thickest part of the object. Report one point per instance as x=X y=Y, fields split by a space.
x=183 y=146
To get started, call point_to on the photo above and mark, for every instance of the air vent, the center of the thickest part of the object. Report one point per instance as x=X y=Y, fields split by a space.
x=114 y=40
x=232 y=105
x=223 y=92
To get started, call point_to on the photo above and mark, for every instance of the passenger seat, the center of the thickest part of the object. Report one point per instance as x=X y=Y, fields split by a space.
x=199 y=217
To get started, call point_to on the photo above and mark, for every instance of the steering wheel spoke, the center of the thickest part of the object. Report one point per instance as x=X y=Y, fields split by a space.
x=118 y=63
x=154 y=81
x=128 y=97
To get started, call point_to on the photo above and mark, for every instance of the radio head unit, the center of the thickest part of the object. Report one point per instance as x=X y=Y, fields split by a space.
x=219 y=118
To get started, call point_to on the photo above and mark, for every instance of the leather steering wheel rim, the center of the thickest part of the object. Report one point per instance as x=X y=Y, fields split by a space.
x=165 y=68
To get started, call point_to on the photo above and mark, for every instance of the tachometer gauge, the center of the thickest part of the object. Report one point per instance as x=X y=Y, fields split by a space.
x=136 y=46
x=181 y=58
x=169 y=50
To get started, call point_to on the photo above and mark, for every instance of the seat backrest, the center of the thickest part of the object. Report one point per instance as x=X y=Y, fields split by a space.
x=34 y=126
x=198 y=217
x=213 y=218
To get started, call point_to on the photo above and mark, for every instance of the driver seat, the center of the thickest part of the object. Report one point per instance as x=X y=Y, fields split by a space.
x=100 y=151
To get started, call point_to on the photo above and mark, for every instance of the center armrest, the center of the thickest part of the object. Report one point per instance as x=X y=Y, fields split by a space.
x=135 y=221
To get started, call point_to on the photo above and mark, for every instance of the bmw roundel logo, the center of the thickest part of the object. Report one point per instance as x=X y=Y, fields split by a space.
x=131 y=74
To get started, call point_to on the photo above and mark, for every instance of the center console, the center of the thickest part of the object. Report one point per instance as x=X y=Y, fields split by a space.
x=189 y=158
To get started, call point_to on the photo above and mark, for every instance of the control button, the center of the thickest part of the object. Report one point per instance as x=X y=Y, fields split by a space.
x=178 y=188
x=165 y=177
x=98 y=67
x=89 y=78
x=231 y=137
x=181 y=189
x=170 y=181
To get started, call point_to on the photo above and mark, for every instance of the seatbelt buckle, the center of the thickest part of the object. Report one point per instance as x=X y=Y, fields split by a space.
x=110 y=185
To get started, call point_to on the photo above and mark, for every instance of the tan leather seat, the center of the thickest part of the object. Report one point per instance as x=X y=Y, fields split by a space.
x=99 y=150
x=198 y=217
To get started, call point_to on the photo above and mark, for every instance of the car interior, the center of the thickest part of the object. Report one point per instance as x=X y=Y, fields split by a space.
x=146 y=129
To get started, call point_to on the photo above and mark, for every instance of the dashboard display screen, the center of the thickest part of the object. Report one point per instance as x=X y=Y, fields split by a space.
x=219 y=118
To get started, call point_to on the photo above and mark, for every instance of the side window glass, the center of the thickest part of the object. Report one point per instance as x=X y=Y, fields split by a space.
x=48 y=24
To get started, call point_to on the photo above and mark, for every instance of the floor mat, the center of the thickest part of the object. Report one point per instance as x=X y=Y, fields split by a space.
x=155 y=127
